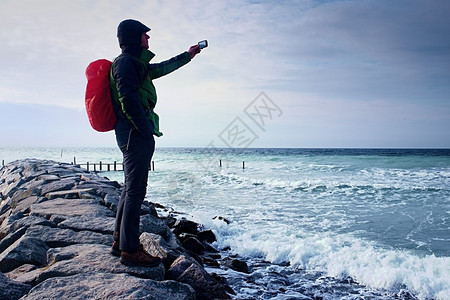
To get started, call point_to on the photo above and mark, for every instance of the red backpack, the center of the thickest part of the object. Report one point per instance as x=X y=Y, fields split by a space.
x=98 y=99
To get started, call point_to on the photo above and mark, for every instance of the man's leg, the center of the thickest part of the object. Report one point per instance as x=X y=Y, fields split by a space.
x=137 y=158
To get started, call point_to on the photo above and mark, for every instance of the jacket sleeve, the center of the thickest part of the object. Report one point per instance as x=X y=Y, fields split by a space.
x=126 y=73
x=168 y=66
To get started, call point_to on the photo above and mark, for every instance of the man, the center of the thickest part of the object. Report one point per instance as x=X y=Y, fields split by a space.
x=135 y=98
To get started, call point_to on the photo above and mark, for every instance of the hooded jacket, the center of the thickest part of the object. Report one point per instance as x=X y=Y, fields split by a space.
x=132 y=75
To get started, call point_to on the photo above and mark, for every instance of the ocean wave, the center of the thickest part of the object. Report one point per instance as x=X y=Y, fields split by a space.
x=342 y=256
x=334 y=185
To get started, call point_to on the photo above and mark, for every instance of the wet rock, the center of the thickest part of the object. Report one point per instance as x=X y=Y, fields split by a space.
x=221 y=219
x=210 y=261
x=12 y=290
x=181 y=264
x=184 y=236
x=204 y=284
x=109 y=286
x=207 y=236
x=183 y=225
x=236 y=265
x=148 y=208
x=194 y=245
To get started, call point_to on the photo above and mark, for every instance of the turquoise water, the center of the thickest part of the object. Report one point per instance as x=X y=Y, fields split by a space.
x=377 y=216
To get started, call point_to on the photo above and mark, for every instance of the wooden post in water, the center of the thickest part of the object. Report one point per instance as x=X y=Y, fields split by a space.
x=109 y=169
x=87 y=166
x=95 y=169
x=100 y=165
x=115 y=166
x=243 y=165
x=74 y=160
x=3 y=162
x=220 y=163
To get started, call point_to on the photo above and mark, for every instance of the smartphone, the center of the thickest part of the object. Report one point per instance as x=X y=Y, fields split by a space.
x=203 y=44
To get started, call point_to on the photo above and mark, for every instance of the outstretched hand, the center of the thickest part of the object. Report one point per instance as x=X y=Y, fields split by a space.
x=194 y=50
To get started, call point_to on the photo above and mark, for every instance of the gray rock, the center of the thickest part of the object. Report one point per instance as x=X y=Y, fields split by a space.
x=148 y=208
x=100 y=224
x=181 y=264
x=85 y=258
x=157 y=246
x=236 y=264
x=111 y=201
x=100 y=189
x=9 y=189
x=23 y=205
x=12 y=224
x=204 y=284
x=12 y=290
x=99 y=180
x=71 y=194
x=194 y=245
x=70 y=207
x=20 y=271
x=26 y=250
x=48 y=177
x=207 y=236
x=152 y=224
x=59 y=237
x=28 y=189
x=11 y=238
x=109 y=286
x=184 y=225
x=58 y=185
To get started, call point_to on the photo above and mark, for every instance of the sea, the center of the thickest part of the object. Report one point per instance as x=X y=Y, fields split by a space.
x=310 y=223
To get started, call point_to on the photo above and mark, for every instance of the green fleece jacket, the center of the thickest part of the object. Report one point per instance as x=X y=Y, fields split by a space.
x=132 y=77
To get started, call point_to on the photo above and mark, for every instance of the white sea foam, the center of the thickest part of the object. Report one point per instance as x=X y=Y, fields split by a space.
x=342 y=256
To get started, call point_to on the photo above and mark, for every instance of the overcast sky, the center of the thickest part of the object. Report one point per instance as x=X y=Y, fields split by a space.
x=275 y=74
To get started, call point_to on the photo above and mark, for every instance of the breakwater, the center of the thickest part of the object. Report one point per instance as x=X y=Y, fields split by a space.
x=56 y=232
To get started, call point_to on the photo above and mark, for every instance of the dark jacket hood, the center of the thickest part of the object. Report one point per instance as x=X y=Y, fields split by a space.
x=129 y=33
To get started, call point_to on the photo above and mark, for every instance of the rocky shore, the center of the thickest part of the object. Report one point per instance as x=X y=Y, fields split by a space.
x=56 y=232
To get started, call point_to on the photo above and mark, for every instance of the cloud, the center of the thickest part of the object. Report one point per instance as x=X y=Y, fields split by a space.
x=336 y=52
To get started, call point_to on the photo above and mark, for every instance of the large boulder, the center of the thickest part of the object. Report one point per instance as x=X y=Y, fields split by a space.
x=26 y=250
x=70 y=207
x=84 y=258
x=58 y=237
x=101 y=285
x=12 y=290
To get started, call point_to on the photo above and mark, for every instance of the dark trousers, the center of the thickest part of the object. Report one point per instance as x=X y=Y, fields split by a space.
x=137 y=153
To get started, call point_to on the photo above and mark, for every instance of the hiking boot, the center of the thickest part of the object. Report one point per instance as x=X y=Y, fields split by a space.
x=139 y=258
x=115 y=250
